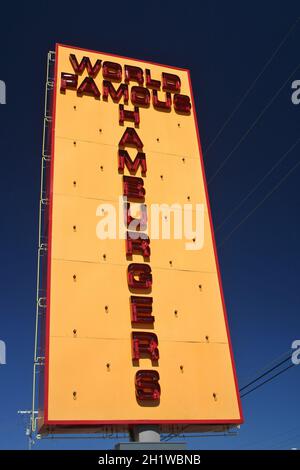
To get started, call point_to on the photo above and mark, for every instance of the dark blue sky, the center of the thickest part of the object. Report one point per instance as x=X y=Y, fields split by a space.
x=225 y=45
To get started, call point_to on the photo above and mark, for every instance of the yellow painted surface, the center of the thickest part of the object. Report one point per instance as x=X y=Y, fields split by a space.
x=181 y=178
x=86 y=298
x=106 y=395
x=75 y=220
x=189 y=318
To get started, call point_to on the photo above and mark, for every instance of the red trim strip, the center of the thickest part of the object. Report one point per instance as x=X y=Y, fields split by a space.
x=145 y=421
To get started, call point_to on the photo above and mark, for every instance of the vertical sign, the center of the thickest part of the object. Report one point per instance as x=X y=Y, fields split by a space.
x=136 y=323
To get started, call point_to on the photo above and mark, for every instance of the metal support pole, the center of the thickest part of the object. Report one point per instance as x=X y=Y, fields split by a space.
x=147 y=437
x=146 y=433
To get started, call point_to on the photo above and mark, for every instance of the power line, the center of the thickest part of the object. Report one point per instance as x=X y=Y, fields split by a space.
x=170 y=436
x=241 y=140
x=270 y=438
x=267 y=381
x=281 y=443
x=259 y=204
x=211 y=144
x=265 y=373
x=257 y=185
x=271 y=364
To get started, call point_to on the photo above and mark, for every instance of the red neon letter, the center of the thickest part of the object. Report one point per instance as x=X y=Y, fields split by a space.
x=144 y=345
x=150 y=83
x=139 y=224
x=163 y=105
x=116 y=95
x=131 y=138
x=133 y=187
x=140 y=96
x=171 y=82
x=68 y=81
x=112 y=71
x=88 y=87
x=127 y=115
x=147 y=387
x=182 y=104
x=132 y=166
x=85 y=64
x=137 y=245
x=134 y=74
x=141 y=310
x=139 y=276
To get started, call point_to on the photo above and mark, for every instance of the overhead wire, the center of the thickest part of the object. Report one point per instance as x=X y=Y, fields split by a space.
x=257 y=119
x=269 y=365
x=267 y=381
x=256 y=186
x=250 y=88
x=281 y=181
x=171 y=436
x=281 y=443
x=260 y=442
x=275 y=364
x=265 y=373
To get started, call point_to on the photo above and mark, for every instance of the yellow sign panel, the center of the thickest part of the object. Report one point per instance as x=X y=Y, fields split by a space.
x=136 y=325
